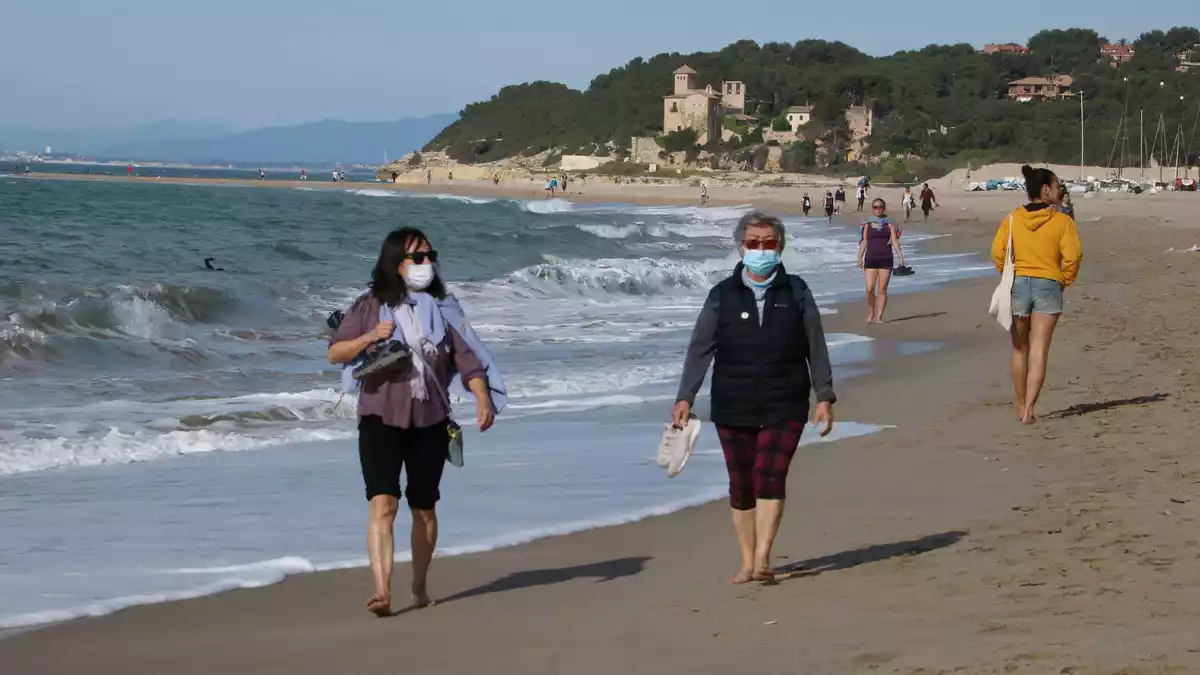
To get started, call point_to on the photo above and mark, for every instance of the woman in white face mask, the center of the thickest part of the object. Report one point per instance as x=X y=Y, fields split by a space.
x=404 y=412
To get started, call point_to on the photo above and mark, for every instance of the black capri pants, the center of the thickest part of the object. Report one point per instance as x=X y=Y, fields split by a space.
x=421 y=452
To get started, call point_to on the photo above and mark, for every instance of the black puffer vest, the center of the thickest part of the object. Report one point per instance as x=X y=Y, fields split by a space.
x=760 y=373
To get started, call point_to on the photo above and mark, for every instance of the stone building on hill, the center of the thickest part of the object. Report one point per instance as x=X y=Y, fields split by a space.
x=689 y=107
x=1008 y=48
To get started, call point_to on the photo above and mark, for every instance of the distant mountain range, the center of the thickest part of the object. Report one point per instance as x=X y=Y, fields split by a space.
x=324 y=142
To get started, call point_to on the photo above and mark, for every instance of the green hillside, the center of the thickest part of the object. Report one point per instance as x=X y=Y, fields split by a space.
x=916 y=96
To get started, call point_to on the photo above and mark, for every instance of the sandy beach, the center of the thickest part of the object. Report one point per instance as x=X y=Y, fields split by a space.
x=957 y=541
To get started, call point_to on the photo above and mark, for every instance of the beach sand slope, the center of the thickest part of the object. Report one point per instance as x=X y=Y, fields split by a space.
x=959 y=541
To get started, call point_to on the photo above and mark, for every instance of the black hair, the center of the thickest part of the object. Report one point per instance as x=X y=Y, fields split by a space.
x=1035 y=180
x=387 y=286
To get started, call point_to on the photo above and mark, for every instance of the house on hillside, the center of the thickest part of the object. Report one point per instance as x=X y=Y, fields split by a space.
x=689 y=107
x=1189 y=59
x=1043 y=88
x=1118 y=53
x=798 y=116
x=1007 y=48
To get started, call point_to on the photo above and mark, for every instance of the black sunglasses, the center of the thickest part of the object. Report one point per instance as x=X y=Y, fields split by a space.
x=419 y=257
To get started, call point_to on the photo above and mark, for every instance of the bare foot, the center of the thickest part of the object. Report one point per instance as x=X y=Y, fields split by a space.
x=871 y=319
x=743 y=576
x=380 y=606
x=764 y=575
x=1028 y=418
x=421 y=599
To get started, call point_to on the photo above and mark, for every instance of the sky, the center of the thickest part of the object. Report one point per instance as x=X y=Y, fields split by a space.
x=249 y=63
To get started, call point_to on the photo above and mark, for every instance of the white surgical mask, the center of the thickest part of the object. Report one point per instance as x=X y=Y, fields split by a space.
x=419 y=277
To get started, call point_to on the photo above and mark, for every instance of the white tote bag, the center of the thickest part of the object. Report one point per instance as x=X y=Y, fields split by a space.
x=1002 y=297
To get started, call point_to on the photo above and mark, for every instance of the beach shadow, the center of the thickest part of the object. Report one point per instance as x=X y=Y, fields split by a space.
x=601 y=572
x=861 y=556
x=1089 y=408
x=931 y=315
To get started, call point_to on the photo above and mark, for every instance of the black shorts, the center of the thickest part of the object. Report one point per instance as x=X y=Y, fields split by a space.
x=383 y=451
x=881 y=263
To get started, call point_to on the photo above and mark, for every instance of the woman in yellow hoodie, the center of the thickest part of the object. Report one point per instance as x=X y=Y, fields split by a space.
x=1046 y=257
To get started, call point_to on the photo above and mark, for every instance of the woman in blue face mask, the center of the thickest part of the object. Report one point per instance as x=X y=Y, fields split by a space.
x=761 y=331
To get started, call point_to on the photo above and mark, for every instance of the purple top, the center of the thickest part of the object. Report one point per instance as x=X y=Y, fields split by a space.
x=879 y=239
x=390 y=396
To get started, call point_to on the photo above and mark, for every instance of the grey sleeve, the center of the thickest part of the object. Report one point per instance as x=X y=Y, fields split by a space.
x=820 y=370
x=700 y=351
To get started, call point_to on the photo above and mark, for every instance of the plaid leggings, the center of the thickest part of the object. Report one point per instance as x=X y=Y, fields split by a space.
x=758 y=461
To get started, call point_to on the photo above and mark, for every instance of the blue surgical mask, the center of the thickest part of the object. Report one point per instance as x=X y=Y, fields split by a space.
x=760 y=262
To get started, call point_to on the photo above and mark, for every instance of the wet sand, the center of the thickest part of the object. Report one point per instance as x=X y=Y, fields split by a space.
x=958 y=541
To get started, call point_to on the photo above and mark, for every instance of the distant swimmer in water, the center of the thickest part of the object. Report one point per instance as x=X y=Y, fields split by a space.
x=208 y=262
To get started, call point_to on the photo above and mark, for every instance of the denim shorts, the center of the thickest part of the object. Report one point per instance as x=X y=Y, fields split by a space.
x=1032 y=294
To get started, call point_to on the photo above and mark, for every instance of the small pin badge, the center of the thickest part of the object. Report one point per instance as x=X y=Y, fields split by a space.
x=745 y=315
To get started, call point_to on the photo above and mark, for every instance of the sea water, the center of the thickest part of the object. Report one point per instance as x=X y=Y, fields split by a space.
x=168 y=431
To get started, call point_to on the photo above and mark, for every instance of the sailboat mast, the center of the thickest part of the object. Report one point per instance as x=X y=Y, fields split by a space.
x=1081 y=147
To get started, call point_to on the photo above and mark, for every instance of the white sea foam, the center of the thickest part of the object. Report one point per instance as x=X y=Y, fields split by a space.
x=628 y=276
x=612 y=231
x=383 y=192
x=124 y=602
x=118 y=447
x=546 y=206
x=374 y=192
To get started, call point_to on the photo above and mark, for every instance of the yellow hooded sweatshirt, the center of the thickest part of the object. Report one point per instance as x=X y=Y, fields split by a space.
x=1045 y=241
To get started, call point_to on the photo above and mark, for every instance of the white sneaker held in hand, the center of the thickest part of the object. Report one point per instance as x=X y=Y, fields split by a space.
x=676 y=446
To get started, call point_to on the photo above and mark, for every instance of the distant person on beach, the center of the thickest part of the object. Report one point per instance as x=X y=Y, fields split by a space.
x=830 y=207
x=404 y=413
x=262 y=175
x=553 y=186
x=1065 y=205
x=130 y=170
x=806 y=204
x=428 y=176
x=303 y=174
x=878 y=241
x=1046 y=255
x=450 y=176
x=909 y=202
x=703 y=193
x=496 y=179
x=395 y=175
x=839 y=200
x=761 y=331
x=862 y=197
x=928 y=201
